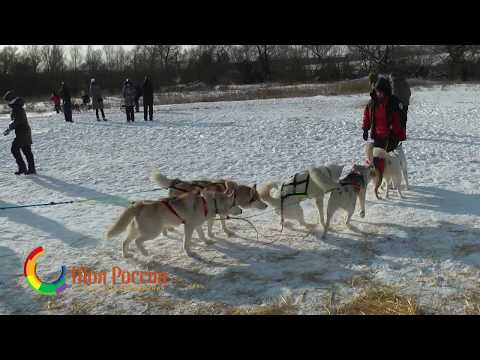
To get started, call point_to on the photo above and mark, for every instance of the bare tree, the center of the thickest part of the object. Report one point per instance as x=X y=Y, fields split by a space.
x=53 y=57
x=109 y=53
x=378 y=58
x=93 y=59
x=33 y=56
x=265 y=53
x=76 y=56
x=8 y=58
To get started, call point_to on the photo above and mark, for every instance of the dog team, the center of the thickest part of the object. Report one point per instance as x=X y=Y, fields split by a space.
x=193 y=203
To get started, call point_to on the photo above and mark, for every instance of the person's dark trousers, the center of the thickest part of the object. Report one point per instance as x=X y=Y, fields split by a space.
x=148 y=108
x=103 y=114
x=137 y=105
x=67 y=110
x=403 y=117
x=57 y=109
x=27 y=151
x=130 y=113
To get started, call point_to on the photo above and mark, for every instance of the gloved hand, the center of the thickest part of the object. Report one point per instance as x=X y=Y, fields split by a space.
x=365 y=134
x=6 y=132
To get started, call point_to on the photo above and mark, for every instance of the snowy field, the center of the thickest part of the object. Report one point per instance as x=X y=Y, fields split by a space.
x=426 y=246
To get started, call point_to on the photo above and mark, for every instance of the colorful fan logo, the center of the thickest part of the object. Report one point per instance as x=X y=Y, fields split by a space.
x=44 y=288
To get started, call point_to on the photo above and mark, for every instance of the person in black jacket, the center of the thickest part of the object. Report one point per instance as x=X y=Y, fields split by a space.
x=67 y=102
x=148 y=98
x=23 y=134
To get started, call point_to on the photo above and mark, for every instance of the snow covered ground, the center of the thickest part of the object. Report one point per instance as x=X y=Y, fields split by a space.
x=426 y=245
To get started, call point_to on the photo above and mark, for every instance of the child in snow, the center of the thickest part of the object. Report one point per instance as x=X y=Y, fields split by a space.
x=23 y=134
x=56 y=102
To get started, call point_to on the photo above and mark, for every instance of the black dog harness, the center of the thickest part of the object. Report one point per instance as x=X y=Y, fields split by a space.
x=297 y=186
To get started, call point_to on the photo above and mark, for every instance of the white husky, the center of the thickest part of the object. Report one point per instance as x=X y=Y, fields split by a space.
x=322 y=180
x=392 y=174
x=145 y=220
x=353 y=186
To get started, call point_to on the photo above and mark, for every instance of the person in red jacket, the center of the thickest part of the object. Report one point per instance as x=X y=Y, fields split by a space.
x=56 y=102
x=382 y=118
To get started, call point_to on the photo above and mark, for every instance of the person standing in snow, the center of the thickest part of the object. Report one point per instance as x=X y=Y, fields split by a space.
x=67 y=101
x=129 y=94
x=56 y=102
x=148 y=98
x=23 y=134
x=382 y=118
x=97 y=98
x=401 y=90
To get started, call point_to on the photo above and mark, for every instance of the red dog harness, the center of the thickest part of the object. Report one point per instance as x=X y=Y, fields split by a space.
x=354 y=179
x=169 y=207
x=205 y=208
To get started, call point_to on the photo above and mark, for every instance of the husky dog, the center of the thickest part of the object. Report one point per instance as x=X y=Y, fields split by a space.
x=323 y=179
x=353 y=186
x=244 y=196
x=392 y=174
x=145 y=220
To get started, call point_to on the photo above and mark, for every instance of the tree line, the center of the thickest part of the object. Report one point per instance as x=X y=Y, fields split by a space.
x=37 y=70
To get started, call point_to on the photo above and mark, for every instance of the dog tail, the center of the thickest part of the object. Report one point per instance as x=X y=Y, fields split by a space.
x=324 y=181
x=160 y=179
x=124 y=220
x=264 y=193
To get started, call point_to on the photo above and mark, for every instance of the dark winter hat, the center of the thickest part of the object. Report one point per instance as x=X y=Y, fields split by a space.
x=383 y=85
x=372 y=77
x=9 y=95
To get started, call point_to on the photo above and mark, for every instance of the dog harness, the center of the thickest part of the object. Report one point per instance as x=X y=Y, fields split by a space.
x=199 y=184
x=354 y=179
x=205 y=208
x=177 y=181
x=170 y=207
x=297 y=186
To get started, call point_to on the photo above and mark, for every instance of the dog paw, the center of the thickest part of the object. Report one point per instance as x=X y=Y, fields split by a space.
x=127 y=255
x=209 y=242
